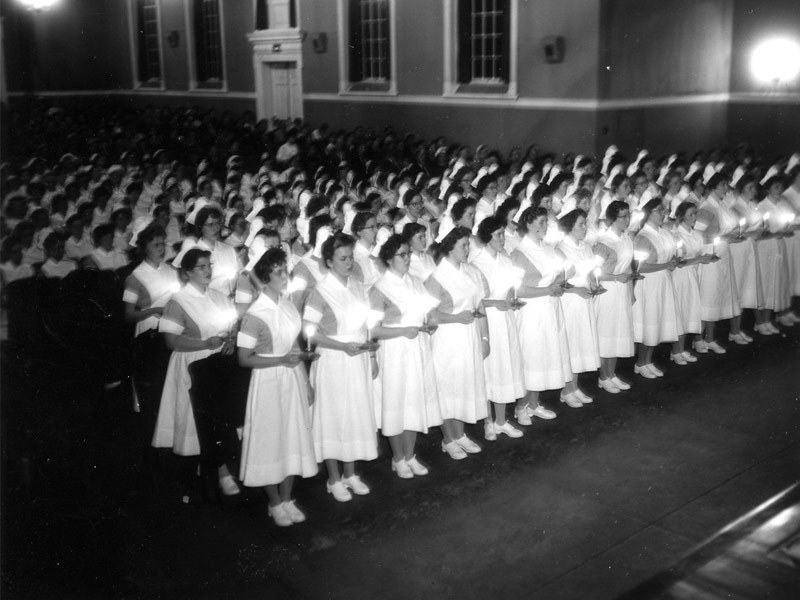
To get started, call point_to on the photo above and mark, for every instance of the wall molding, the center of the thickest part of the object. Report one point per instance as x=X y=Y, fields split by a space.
x=561 y=104
x=199 y=93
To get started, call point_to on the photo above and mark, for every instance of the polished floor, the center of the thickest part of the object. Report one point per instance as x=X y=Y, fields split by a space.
x=589 y=506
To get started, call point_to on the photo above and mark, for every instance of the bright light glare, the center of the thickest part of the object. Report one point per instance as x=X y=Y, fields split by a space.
x=38 y=4
x=776 y=61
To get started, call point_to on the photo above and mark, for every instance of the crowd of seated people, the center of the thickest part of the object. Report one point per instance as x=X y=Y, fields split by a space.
x=347 y=283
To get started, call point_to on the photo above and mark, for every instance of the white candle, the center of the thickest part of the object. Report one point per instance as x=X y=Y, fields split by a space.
x=679 y=249
x=714 y=248
x=310 y=331
x=638 y=257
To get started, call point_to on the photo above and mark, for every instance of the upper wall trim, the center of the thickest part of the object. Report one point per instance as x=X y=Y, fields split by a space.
x=143 y=92
x=488 y=102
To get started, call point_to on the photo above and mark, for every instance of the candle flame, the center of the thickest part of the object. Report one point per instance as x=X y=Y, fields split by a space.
x=716 y=240
x=310 y=330
x=640 y=255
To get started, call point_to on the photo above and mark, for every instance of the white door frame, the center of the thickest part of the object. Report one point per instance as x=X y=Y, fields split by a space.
x=276 y=46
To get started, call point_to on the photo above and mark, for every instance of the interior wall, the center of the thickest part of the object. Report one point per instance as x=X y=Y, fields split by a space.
x=771 y=125
x=502 y=129
x=654 y=48
x=633 y=54
x=74 y=46
x=578 y=22
x=754 y=21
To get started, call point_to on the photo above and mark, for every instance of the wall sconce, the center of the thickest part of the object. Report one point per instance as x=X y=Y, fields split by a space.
x=173 y=39
x=554 y=48
x=776 y=61
x=320 y=42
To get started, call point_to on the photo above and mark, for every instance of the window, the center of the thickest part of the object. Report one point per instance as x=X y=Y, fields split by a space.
x=369 y=34
x=480 y=47
x=483 y=41
x=263 y=18
x=148 y=43
x=207 y=69
x=369 y=40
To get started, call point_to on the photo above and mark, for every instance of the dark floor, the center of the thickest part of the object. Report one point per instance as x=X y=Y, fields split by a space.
x=589 y=505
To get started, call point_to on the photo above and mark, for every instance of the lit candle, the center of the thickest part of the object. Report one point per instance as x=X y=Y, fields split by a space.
x=742 y=225
x=638 y=257
x=766 y=220
x=310 y=331
x=516 y=280
x=679 y=249
x=714 y=247
x=596 y=272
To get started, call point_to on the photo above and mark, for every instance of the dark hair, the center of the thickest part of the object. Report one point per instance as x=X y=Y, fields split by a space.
x=52 y=240
x=412 y=229
x=510 y=205
x=147 y=235
x=333 y=243
x=233 y=196
x=744 y=181
x=559 y=179
x=541 y=192
x=460 y=207
x=617 y=181
x=100 y=192
x=649 y=208
x=715 y=180
x=409 y=194
x=360 y=221
x=59 y=202
x=101 y=231
x=73 y=219
x=613 y=210
x=190 y=259
x=567 y=222
x=159 y=210
x=314 y=225
x=273 y=257
x=446 y=246
x=581 y=194
x=390 y=248
x=269 y=233
x=204 y=214
x=487 y=227
x=528 y=216
x=315 y=204
x=273 y=213
x=696 y=176
x=683 y=208
x=772 y=181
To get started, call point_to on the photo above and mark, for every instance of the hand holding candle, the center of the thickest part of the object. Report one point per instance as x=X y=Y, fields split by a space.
x=638 y=257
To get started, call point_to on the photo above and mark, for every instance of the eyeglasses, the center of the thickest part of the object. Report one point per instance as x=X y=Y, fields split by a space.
x=415 y=204
x=212 y=224
x=373 y=226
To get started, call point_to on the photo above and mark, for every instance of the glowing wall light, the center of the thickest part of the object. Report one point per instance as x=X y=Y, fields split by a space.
x=38 y=5
x=776 y=61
